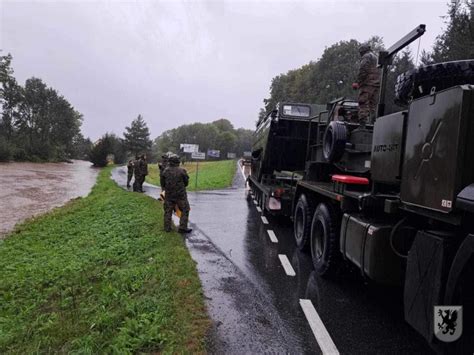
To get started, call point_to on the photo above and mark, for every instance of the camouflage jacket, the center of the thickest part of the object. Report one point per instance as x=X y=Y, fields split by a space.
x=174 y=181
x=369 y=74
x=140 y=167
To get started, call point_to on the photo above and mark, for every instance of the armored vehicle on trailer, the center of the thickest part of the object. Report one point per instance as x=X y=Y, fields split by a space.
x=395 y=197
x=278 y=155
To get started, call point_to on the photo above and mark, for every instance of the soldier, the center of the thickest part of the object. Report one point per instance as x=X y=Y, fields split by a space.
x=174 y=182
x=368 y=83
x=137 y=173
x=143 y=167
x=129 y=172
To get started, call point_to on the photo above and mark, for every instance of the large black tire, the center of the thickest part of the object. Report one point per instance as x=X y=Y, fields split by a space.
x=302 y=222
x=417 y=83
x=325 y=240
x=460 y=291
x=334 y=141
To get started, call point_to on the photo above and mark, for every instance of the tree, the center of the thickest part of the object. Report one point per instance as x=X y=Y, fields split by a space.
x=226 y=142
x=457 y=41
x=137 y=136
x=10 y=97
x=118 y=149
x=331 y=76
x=81 y=147
x=36 y=122
x=101 y=150
x=223 y=125
x=321 y=81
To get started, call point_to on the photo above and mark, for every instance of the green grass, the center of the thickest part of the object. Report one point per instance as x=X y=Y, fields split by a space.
x=212 y=175
x=99 y=276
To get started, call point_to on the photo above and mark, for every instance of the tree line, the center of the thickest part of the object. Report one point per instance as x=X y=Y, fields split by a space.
x=331 y=76
x=218 y=135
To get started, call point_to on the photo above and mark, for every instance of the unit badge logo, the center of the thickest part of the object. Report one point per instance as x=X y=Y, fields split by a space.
x=448 y=322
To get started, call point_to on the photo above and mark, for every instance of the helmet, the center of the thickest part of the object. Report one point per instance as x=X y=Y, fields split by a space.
x=364 y=48
x=174 y=160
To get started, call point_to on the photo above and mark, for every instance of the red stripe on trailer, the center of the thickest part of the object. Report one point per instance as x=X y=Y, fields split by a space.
x=348 y=179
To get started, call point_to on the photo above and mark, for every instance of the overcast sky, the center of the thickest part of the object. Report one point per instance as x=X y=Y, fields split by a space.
x=182 y=62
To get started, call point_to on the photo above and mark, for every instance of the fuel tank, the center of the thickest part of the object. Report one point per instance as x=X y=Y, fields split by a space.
x=367 y=244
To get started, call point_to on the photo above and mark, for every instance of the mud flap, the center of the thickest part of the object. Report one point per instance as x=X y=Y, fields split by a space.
x=428 y=265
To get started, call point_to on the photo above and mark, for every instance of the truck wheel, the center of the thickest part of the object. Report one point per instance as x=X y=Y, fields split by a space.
x=324 y=240
x=334 y=141
x=302 y=222
x=417 y=83
x=460 y=290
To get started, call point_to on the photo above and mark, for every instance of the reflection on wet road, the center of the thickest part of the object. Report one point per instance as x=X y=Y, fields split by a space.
x=29 y=189
x=256 y=306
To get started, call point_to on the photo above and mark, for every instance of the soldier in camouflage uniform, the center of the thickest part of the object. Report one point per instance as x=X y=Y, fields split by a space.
x=140 y=170
x=129 y=172
x=368 y=83
x=174 y=181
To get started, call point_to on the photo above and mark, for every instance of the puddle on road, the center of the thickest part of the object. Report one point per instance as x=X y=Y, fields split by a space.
x=30 y=189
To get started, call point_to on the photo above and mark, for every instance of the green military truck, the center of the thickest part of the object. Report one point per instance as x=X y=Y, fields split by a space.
x=395 y=197
x=278 y=155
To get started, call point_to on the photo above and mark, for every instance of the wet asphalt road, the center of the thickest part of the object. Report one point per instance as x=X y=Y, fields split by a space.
x=255 y=305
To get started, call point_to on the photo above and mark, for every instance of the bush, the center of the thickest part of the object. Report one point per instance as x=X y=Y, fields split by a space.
x=100 y=151
x=98 y=155
x=19 y=154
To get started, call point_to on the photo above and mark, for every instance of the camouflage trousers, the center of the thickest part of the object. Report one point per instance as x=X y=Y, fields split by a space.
x=129 y=178
x=183 y=205
x=138 y=183
x=368 y=99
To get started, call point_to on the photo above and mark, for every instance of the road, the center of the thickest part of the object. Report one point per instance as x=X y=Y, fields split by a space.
x=256 y=306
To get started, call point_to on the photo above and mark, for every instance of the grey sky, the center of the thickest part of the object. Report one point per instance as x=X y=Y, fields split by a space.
x=182 y=62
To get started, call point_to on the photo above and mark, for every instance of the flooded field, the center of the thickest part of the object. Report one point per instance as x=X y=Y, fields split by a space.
x=29 y=189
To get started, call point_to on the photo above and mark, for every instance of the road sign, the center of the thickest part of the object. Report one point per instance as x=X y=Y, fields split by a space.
x=231 y=155
x=189 y=148
x=198 y=155
x=247 y=154
x=213 y=153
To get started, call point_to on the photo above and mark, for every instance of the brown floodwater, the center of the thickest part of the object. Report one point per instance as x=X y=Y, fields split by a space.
x=29 y=189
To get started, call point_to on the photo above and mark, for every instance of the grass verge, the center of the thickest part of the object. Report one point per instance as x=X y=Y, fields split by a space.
x=99 y=276
x=212 y=175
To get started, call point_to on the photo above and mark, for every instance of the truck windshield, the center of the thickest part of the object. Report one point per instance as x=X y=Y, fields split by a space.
x=296 y=110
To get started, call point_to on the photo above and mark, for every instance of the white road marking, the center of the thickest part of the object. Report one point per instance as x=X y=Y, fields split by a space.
x=286 y=265
x=255 y=202
x=272 y=236
x=264 y=220
x=319 y=330
x=259 y=209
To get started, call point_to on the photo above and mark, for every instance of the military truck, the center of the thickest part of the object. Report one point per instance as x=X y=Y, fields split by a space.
x=278 y=155
x=395 y=197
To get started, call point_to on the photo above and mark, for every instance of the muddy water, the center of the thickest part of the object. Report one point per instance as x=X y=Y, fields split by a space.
x=29 y=189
